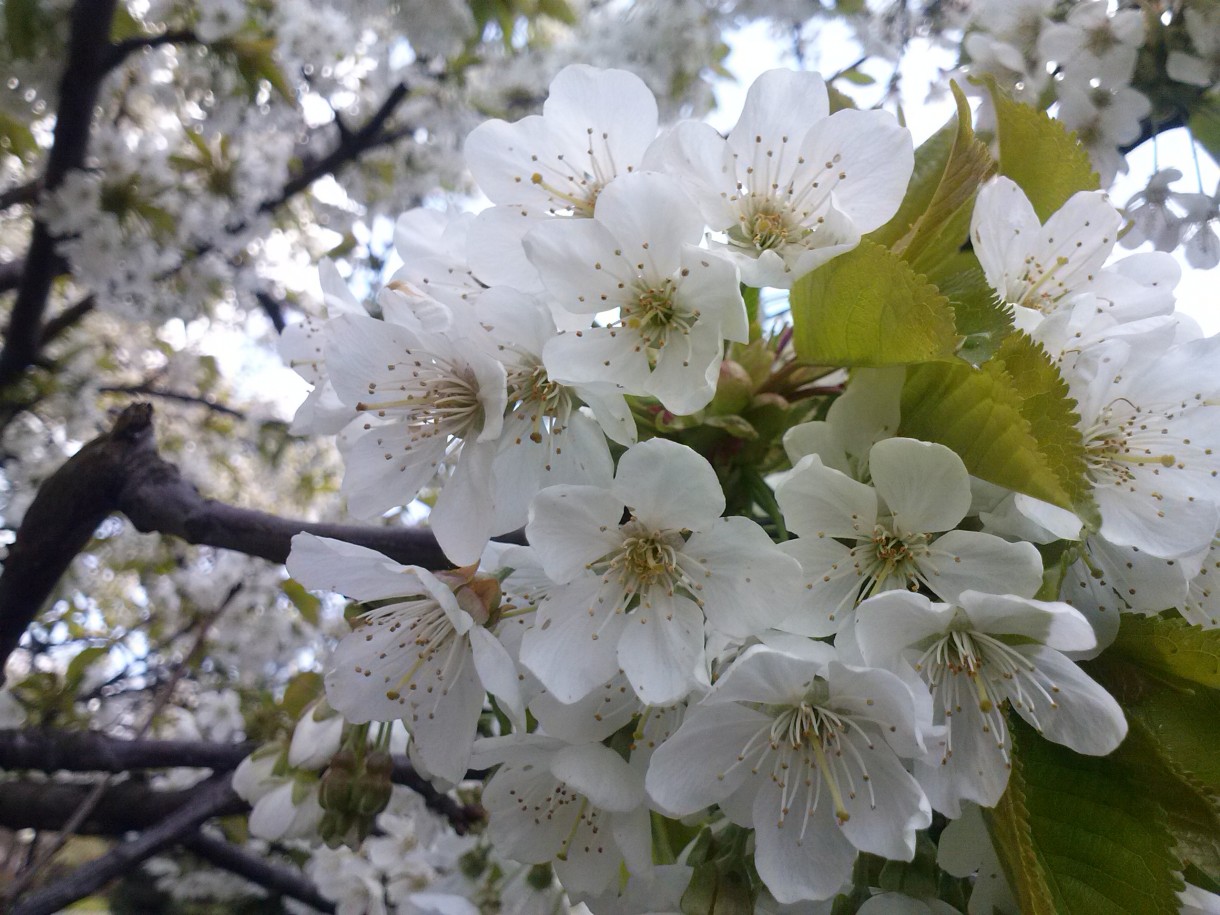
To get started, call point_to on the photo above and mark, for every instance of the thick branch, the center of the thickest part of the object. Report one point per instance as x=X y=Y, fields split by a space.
x=214 y=798
x=123 y=808
x=73 y=751
x=88 y=46
x=133 y=805
x=277 y=879
x=22 y=193
x=122 y=471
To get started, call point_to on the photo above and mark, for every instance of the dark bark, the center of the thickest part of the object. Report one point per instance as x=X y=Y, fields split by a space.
x=126 y=807
x=278 y=879
x=213 y=798
x=121 y=471
x=76 y=751
x=88 y=47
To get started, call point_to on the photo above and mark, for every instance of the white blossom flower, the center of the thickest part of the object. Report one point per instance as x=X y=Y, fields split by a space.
x=975 y=654
x=807 y=753
x=424 y=655
x=857 y=540
x=1151 y=217
x=1202 y=67
x=1095 y=41
x=635 y=591
x=595 y=125
x=1201 y=238
x=580 y=806
x=427 y=401
x=676 y=303
x=793 y=185
x=1038 y=266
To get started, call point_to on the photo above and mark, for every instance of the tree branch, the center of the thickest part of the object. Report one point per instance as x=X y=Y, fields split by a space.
x=281 y=880
x=126 y=807
x=351 y=146
x=212 y=799
x=77 y=751
x=120 y=51
x=22 y=193
x=43 y=805
x=121 y=470
x=88 y=46
x=146 y=389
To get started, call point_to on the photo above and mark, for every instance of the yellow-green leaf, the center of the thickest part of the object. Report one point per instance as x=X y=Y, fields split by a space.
x=1171 y=646
x=1040 y=154
x=869 y=308
x=934 y=219
x=306 y=603
x=1010 y=420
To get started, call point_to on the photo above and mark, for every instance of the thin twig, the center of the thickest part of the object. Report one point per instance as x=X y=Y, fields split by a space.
x=162 y=698
x=146 y=389
x=215 y=796
x=281 y=880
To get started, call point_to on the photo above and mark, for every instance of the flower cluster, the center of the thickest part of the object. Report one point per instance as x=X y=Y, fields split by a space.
x=647 y=653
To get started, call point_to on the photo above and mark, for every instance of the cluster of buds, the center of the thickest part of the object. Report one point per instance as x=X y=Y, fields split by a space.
x=355 y=787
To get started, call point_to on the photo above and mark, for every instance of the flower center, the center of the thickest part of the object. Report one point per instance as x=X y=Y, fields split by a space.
x=656 y=313
x=766 y=227
x=438 y=399
x=1112 y=452
x=544 y=404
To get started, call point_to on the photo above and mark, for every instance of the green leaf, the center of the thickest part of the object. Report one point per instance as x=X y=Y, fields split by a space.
x=1205 y=124
x=983 y=322
x=936 y=213
x=306 y=603
x=256 y=62
x=1008 y=825
x=1171 y=646
x=26 y=28
x=1040 y=154
x=79 y=665
x=301 y=690
x=16 y=137
x=1010 y=420
x=1101 y=843
x=869 y=308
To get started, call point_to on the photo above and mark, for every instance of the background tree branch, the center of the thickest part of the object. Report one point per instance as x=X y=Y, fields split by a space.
x=88 y=47
x=211 y=799
x=121 y=471
x=280 y=880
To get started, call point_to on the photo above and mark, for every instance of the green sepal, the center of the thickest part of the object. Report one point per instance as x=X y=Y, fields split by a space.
x=869 y=308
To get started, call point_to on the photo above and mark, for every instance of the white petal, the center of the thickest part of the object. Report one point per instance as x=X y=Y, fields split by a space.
x=1075 y=710
x=571 y=526
x=778 y=103
x=571 y=649
x=697 y=766
x=967 y=560
x=747 y=583
x=795 y=863
x=820 y=502
x=601 y=775
x=1052 y=623
x=669 y=486
x=924 y=485
x=661 y=647
x=652 y=218
x=323 y=564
